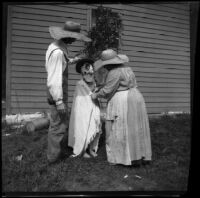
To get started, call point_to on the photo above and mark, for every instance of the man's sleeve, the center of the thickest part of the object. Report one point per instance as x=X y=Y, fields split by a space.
x=55 y=75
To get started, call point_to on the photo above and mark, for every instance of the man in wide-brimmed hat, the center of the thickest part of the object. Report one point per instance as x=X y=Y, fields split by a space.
x=57 y=60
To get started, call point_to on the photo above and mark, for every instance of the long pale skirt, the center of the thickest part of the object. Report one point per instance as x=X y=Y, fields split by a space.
x=128 y=138
x=84 y=125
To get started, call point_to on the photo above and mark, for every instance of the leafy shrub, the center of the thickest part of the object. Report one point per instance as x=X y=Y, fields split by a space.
x=105 y=34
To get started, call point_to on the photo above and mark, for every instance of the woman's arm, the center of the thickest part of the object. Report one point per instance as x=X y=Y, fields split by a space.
x=111 y=85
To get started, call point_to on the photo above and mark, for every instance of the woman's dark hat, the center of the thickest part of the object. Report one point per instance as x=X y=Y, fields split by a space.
x=81 y=62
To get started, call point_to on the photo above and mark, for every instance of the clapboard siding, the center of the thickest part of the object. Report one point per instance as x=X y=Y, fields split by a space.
x=160 y=10
x=144 y=10
x=140 y=28
x=30 y=39
x=139 y=47
x=177 y=6
x=50 y=12
x=47 y=15
x=150 y=39
x=158 y=37
x=22 y=92
x=147 y=44
x=155 y=37
x=145 y=20
x=72 y=8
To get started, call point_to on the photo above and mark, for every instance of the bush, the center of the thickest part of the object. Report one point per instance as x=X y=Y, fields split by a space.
x=105 y=34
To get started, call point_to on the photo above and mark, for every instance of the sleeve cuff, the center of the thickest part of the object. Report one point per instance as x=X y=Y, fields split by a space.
x=59 y=102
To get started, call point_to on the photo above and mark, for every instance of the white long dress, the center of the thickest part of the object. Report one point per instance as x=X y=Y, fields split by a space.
x=84 y=125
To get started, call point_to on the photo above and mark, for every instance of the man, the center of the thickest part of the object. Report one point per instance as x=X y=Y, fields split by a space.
x=57 y=61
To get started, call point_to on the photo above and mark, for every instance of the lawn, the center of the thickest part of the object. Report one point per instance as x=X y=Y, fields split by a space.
x=168 y=171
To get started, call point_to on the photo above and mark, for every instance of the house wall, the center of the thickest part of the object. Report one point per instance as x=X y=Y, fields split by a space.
x=155 y=37
x=29 y=39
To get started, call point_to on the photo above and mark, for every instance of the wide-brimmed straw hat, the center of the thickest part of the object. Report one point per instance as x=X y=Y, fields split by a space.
x=109 y=57
x=81 y=62
x=70 y=30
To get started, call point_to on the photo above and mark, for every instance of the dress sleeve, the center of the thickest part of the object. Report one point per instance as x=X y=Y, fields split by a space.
x=111 y=85
x=55 y=75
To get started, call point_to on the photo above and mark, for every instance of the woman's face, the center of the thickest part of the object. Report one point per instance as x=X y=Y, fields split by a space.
x=100 y=75
x=87 y=72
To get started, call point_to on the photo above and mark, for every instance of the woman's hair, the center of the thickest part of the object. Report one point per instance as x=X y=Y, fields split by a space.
x=112 y=66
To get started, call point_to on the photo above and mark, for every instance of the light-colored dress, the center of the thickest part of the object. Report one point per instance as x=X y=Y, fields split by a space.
x=85 y=125
x=128 y=137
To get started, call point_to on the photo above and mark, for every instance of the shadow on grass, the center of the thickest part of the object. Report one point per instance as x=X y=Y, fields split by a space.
x=168 y=170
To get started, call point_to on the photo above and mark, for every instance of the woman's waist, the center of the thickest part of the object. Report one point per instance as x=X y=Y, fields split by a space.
x=125 y=88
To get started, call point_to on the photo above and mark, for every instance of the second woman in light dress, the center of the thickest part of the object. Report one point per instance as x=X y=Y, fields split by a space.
x=127 y=125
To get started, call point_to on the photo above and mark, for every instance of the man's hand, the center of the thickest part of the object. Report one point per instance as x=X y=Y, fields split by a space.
x=74 y=60
x=61 y=108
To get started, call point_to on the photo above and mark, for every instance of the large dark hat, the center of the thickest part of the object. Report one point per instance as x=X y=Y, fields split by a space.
x=81 y=62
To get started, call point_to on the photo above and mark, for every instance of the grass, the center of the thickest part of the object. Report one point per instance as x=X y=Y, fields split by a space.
x=168 y=171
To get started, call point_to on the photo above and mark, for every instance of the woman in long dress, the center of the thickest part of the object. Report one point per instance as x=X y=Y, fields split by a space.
x=84 y=125
x=127 y=126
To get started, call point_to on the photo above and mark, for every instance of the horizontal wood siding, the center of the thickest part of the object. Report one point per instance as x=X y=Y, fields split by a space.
x=29 y=40
x=156 y=38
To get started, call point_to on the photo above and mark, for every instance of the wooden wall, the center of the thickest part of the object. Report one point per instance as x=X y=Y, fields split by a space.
x=29 y=41
x=156 y=37
x=157 y=40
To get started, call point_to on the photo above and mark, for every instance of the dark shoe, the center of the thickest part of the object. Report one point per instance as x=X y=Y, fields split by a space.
x=136 y=163
x=146 y=162
x=63 y=155
x=66 y=152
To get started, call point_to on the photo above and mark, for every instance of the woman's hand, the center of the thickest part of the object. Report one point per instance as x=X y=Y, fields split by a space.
x=94 y=96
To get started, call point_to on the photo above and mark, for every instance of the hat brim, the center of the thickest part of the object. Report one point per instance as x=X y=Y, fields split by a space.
x=119 y=59
x=58 y=33
x=81 y=62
